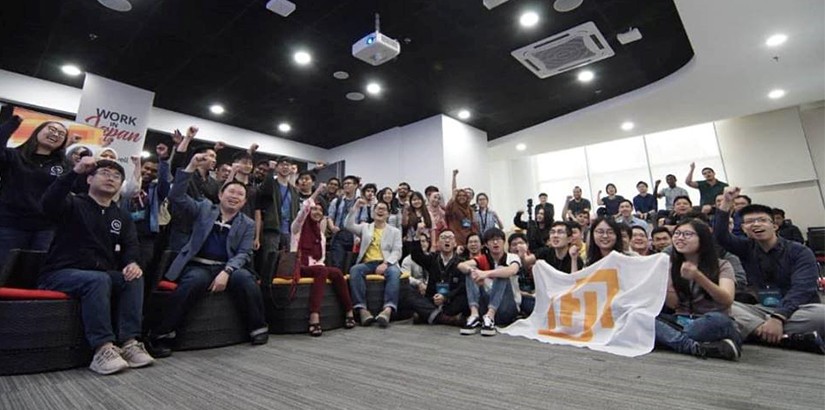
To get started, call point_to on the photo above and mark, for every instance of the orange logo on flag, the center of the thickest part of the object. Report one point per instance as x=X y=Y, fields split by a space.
x=591 y=311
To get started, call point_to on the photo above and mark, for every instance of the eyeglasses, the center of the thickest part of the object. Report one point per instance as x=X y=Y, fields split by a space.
x=54 y=130
x=761 y=220
x=684 y=234
x=113 y=175
x=602 y=232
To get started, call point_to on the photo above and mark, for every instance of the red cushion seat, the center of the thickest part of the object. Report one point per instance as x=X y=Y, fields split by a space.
x=31 y=294
x=167 y=286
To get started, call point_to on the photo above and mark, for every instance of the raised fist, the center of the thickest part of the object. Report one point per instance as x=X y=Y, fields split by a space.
x=135 y=159
x=198 y=160
x=85 y=165
x=177 y=137
x=455 y=172
x=191 y=132
x=107 y=140
x=219 y=146
x=360 y=202
x=253 y=148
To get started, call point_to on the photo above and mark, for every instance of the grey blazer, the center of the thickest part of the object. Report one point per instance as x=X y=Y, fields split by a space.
x=390 y=239
x=205 y=213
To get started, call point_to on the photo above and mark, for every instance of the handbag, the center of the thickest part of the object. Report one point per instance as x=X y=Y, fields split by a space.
x=288 y=267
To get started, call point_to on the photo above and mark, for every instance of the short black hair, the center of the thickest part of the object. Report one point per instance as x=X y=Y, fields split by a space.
x=747 y=198
x=334 y=179
x=235 y=182
x=756 y=209
x=493 y=233
x=262 y=162
x=574 y=225
x=514 y=236
x=308 y=173
x=660 y=229
x=542 y=194
x=430 y=189
x=353 y=178
x=288 y=160
x=626 y=200
x=369 y=186
x=642 y=183
x=242 y=156
x=670 y=176
x=685 y=197
x=708 y=169
x=203 y=148
x=106 y=163
x=405 y=184
x=777 y=211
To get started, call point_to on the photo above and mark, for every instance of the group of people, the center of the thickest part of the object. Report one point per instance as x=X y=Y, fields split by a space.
x=230 y=224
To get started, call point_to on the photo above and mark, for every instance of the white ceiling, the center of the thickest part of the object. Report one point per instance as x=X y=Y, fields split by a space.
x=730 y=76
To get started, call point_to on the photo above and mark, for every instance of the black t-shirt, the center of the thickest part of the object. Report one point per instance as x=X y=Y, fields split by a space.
x=549 y=255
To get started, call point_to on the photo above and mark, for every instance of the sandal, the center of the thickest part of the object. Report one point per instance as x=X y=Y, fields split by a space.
x=349 y=322
x=315 y=329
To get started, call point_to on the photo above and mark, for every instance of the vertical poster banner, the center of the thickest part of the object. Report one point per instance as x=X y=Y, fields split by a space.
x=121 y=111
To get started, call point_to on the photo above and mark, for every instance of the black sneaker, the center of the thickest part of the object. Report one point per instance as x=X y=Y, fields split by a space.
x=160 y=348
x=720 y=349
x=472 y=326
x=488 y=328
x=806 y=342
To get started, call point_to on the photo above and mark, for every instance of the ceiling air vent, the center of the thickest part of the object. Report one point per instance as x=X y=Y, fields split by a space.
x=581 y=45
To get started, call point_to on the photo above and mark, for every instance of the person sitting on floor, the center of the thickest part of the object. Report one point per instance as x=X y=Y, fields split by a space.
x=626 y=215
x=492 y=286
x=379 y=253
x=94 y=255
x=605 y=237
x=419 y=276
x=309 y=242
x=216 y=258
x=558 y=252
x=700 y=290
x=639 y=242
x=517 y=245
x=445 y=300
x=781 y=275
x=661 y=238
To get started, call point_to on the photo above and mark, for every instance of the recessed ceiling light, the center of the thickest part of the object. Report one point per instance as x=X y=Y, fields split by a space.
x=627 y=125
x=563 y=6
x=373 y=88
x=302 y=58
x=464 y=114
x=775 y=40
x=521 y=147
x=529 y=19
x=284 y=127
x=341 y=75
x=586 y=76
x=145 y=154
x=777 y=93
x=71 y=70
x=217 y=109
x=355 y=96
x=116 y=5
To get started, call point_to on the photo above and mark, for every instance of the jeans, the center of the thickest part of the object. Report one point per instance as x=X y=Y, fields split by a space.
x=358 y=284
x=12 y=238
x=528 y=303
x=94 y=289
x=808 y=318
x=341 y=243
x=194 y=283
x=709 y=327
x=499 y=298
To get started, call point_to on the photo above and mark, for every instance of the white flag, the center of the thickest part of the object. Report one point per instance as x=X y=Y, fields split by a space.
x=610 y=306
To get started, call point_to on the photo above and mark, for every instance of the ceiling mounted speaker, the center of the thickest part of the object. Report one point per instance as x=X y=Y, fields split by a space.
x=116 y=5
x=563 y=6
x=579 y=46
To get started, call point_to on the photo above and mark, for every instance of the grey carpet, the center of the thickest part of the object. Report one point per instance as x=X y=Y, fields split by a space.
x=414 y=366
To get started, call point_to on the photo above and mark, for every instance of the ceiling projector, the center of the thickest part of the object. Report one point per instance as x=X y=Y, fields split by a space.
x=376 y=48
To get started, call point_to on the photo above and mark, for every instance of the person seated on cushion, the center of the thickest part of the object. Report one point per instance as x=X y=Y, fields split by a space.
x=785 y=228
x=700 y=290
x=492 y=286
x=418 y=275
x=311 y=246
x=94 y=255
x=216 y=258
x=781 y=275
x=379 y=253
x=445 y=298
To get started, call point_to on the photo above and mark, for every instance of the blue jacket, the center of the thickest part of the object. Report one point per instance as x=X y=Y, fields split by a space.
x=794 y=265
x=204 y=214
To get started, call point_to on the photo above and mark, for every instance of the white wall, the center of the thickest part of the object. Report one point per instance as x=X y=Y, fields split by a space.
x=464 y=149
x=410 y=153
x=813 y=122
x=17 y=88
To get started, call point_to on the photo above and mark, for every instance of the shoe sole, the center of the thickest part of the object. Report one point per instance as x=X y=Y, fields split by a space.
x=467 y=332
x=108 y=372
x=367 y=323
x=488 y=333
x=134 y=365
x=382 y=322
x=734 y=349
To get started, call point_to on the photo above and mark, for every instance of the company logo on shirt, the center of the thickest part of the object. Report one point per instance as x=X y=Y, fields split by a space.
x=116 y=225
x=56 y=170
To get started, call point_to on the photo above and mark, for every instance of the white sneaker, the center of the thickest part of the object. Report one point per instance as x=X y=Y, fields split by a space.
x=108 y=360
x=488 y=328
x=136 y=355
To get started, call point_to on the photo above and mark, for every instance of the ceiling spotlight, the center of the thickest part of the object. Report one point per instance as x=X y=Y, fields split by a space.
x=302 y=58
x=373 y=88
x=529 y=19
x=116 y=5
x=627 y=125
x=217 y=109
x=775 y=94
x=586 y=76
x=521 y=147
x=775 y=40
x=284 y=127
x=145 y=154
x=71 y=70
x=464 y=114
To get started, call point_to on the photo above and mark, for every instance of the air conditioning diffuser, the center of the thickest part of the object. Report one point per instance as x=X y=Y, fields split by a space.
x=579 y=46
